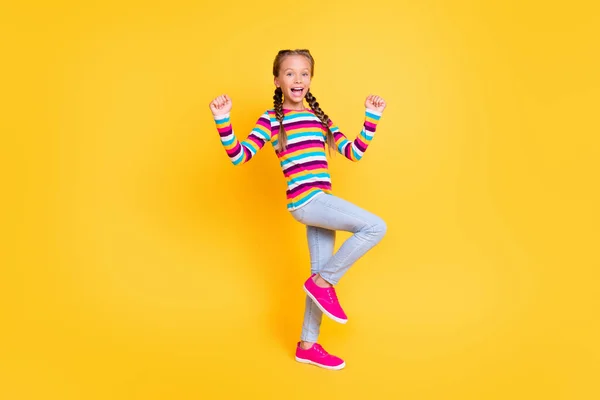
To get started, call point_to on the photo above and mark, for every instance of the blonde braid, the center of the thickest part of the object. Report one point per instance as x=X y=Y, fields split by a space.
x=278 y=106
x=325 y=121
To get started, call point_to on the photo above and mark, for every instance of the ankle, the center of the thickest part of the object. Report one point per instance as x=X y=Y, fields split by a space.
x=306 y=345
x=320 y=282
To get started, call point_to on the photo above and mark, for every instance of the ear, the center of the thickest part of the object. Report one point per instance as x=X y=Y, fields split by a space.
x=276 y=81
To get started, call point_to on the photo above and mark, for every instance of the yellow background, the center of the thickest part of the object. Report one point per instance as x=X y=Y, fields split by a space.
x=138 y=263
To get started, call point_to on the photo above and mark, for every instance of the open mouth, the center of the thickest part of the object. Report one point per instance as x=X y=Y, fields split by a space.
x=297 y=91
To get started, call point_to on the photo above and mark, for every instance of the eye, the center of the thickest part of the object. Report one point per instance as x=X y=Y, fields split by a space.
x=305 y=74
x=289 y=74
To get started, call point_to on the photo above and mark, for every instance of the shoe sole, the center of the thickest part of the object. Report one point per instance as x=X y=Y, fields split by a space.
x=330 y=315
x=336 y=368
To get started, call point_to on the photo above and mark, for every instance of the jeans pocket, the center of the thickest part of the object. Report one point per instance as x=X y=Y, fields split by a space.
x=298 y=214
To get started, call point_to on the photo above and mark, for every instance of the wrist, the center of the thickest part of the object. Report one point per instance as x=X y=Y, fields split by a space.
x=220 y=116
x=375 y=112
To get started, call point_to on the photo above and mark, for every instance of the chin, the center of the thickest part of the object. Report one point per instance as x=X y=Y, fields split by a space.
x=295 y=98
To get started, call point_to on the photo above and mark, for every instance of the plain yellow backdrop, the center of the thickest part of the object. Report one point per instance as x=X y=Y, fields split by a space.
x=138 y=263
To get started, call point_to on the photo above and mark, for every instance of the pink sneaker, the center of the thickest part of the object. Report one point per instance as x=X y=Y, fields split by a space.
x=326 y=300
x=317 y=355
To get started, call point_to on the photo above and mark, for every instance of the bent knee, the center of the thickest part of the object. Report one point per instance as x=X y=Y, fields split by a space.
x=382 y=228
x=379 y=228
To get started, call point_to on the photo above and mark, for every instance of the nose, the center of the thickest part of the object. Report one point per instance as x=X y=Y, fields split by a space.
x=298 y=79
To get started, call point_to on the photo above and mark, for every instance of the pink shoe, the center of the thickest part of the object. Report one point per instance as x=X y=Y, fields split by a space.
x=326 y=300
x=317 y=355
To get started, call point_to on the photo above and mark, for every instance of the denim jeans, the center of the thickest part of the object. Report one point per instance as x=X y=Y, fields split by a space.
x=322 y=216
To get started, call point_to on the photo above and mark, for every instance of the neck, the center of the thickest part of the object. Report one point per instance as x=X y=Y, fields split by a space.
x=294 y=106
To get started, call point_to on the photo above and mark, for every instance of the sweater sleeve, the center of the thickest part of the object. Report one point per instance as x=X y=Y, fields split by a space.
x=241 y=152
x=354 y=150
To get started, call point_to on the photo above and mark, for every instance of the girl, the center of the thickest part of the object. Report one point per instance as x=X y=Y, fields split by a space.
x=298 y=135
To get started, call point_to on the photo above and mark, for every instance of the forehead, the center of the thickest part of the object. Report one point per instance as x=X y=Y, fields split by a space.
x=295 y=62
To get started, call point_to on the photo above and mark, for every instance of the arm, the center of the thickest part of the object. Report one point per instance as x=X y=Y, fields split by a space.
x=354 y=150
x=239 y=152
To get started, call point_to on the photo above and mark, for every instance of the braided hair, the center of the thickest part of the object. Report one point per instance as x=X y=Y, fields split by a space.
x=278 y=106
x=310 y=98
x=312 y=102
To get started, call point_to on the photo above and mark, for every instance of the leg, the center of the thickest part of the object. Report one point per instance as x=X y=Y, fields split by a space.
x=332 y=213
x=320 y=244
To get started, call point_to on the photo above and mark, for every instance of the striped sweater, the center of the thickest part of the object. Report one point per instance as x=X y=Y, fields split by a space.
x=304 y=162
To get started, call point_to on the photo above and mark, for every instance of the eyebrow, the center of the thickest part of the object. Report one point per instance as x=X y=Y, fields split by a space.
x=304 y=69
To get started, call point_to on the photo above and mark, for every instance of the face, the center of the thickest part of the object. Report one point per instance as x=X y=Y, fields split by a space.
x=294 y=80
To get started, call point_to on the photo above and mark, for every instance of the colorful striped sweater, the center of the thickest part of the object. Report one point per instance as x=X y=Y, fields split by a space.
x=304 y=162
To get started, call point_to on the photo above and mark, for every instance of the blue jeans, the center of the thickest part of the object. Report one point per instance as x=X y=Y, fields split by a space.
x=322 y=216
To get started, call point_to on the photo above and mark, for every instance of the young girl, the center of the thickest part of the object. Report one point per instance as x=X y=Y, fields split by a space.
x=298 y=135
